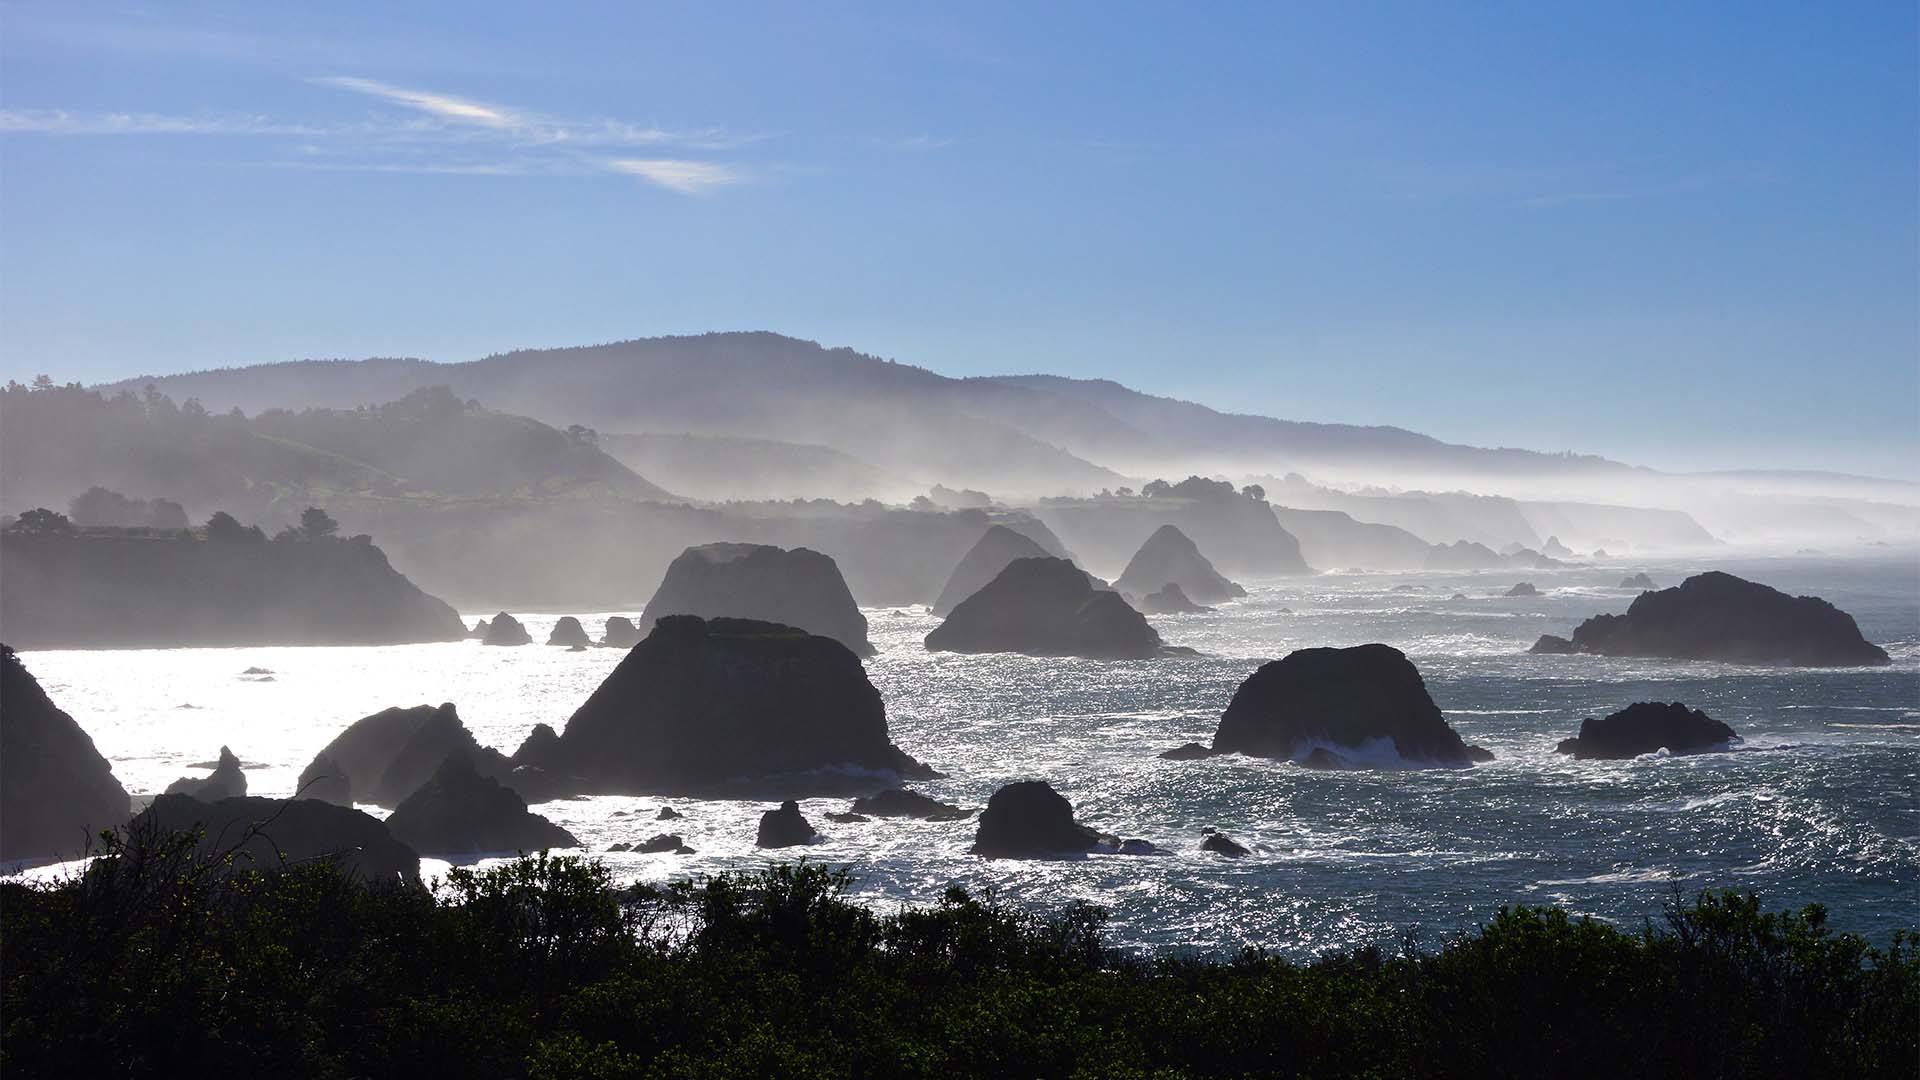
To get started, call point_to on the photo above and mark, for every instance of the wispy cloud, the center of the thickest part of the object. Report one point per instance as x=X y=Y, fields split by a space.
x=444 y=106
x=62 y=122
x=686 y=177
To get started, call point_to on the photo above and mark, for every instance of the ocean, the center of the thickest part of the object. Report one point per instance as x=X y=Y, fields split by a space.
x=1820 y=803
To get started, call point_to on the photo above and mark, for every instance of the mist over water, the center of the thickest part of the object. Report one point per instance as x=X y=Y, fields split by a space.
x=1820 y=803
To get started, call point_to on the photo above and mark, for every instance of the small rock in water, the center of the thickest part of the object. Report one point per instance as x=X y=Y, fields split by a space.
x=1221 y=844
x=667 y=813
x=661 y=842
x=1192 y=751
x=784 y=827
x=848 y=818
x=621 y=847
x=257 y=671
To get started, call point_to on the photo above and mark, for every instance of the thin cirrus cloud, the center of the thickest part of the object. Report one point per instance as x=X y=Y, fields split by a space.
x=62 y=122
x=685 y=177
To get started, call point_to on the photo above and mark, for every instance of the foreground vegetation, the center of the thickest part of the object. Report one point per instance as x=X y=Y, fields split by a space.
x=160 y=962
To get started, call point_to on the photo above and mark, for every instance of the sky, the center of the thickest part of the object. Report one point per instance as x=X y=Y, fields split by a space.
x=1681 y=235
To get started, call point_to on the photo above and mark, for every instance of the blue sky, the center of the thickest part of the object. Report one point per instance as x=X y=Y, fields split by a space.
x=1680 y=235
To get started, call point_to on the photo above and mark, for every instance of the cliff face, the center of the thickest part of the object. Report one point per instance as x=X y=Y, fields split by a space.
x=123 y=588
x=55 y=788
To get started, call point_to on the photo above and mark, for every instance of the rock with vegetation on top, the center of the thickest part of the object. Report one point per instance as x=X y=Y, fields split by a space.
x=1046 y=607
x=1716 y=616
x=260 y=832
x=1647 y=727
x=506 y=630
x=793 y=587
x=56 y=790
x=460 y=812
x=784 y=827
x=620 y=633
x=570 y=633
x=1030 y=820
x=722 y=705
x=227 y=781
x=1169 y=557
x=1352 y=704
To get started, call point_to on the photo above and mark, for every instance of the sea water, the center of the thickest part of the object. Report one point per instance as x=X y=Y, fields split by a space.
x=1820 y=803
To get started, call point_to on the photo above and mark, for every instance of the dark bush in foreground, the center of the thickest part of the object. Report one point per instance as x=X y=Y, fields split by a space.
x=161 y=962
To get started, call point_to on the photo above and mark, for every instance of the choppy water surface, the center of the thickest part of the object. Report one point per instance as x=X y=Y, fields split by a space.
x=1821 y=803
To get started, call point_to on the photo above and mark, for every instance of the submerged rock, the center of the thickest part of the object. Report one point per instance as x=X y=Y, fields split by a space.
x=1716 y=616
x=1221 y=844
x=227 y=781
x=899 y=802
x=1170 y=601
x=1169 y=557
x=56 y=790
x=1636 y=581
x=570 y=633
x=1525 y=588
x=1340 y=701
x=1046 y=607
x=1647 y=727
x=261 y=831
x=706 y=705
x=386 y=757
x=784 y=827
x=1551 y=645
x=506 y=630
x=1030 y=820
x=798 y=587
x=620 y=633
x=983 y=562
x=460 y=812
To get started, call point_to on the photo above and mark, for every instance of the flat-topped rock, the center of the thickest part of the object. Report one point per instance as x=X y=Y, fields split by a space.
x=1363 y=705
x=227 y=781
x=384 y=758
x=262 y=831
x=795 y=587
x=1046 y=607
x=1716 y=616
x=899 y=802
x=1647 y=727
x=56 y=790
x=460 y=812
x=784 y=827
x=570 y=633
x=1170 y=600
x=1030 y=820
x=983 y=562
x=1169 y=557
x=504 y=629
x=620 y=633
x=727 y=705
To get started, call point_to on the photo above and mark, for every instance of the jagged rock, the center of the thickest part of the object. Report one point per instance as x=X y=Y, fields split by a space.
x=1525 y=588
x=326 y=781
x=983 y=562
x=1637 y=581
x=387 y=756
x=1170 y=601
x=56 y=790
x=1554 y=548
x=797 y=587
x=302 y=830
x=1169 y=557
x=460 y=812
x=899 y=802
x=570 y=633
x=257 y=671
x=661 y=842
x=1029 y=820
x=785 y=827
x=479 y=631
x=724 y=704
x=1339 y=700
x=1192 y=751
x=1463 y=555
x=506 y=630
x=227 y=781
x=1046 y=607
x=621 y=633
x=668 y=813
x=1552 y=645
x=1222 y=844
x=1716 y=616
x=1646 y=727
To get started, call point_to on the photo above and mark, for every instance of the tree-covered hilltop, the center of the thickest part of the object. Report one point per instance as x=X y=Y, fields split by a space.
x=68 y=586
x=160 y=961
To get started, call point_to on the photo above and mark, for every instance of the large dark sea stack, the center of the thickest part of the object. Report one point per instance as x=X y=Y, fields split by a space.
x=1030 y=820
x=1716 y=616
x=797 y=587
x=784 y=827
x=506 y=630
x=1646 y=727
x=621 y=633
x=55 y=788
x=1339 y=700
x=724 y=705
x=261 y=831
x=1168 y=557
x=570 y=633
x=997 y=547
x=1047 y=607
x=227 y=781
x=384 y=758
x=460 y=812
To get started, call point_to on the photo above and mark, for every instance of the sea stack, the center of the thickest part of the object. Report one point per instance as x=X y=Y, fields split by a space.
x=56 y=790
x=798 y=587
x=620 y=633
x=1047 y=607
x=227 y=781
x=460 y=812
x=384 y=758
x=784 y=827
x=1716 y=616
x=718 y=705
x=1030 y=820
x=570 y=633
x=1168 y=557
x=1353 y=707
x=1647 y=727
x=506 y=630
x=983 y=562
